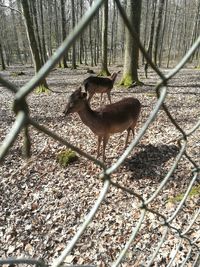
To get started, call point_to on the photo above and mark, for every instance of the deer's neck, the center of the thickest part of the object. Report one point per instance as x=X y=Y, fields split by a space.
x=89 y=117
x=114 y=76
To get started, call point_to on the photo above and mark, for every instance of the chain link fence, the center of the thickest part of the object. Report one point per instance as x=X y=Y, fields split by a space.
x=23 y=121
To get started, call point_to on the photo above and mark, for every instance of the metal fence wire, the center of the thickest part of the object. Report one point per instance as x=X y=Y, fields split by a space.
x=23 y=121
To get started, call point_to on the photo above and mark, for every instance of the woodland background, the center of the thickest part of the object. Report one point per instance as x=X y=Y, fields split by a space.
x=167 y=29
x=42 y=203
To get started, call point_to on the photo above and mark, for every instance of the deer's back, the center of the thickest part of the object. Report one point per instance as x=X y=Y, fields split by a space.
x=126 y=107
x=94 y=82
x=121 y=115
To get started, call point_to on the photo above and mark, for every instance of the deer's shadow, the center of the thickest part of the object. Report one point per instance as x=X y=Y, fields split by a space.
x=151 y=161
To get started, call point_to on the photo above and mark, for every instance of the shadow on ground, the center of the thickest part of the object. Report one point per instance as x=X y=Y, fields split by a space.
x=151 y=161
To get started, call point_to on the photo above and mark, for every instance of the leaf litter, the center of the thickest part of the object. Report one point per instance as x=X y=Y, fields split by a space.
x=43 y=204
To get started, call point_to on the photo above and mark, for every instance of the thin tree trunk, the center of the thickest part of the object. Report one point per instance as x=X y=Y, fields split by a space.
x=145 y=29
x=130 y=72
x=57 y=29
x=24 y=42
x=91 y=45
x=115 y=53
x=86 y=52
x=178 y=40
x=64 y=33
x=81 y=47
x=162 y=35
x=151 y=38
x=16 y=35
x=74 y=45
x=104 y=63
x=32 y=40
x=113 y=32
x=172 y=35
x=3 y=65
x=44 y=52
x=184 y=29
x=36 y=29
x=157 y=34
x=195 y=27
x=98 y=40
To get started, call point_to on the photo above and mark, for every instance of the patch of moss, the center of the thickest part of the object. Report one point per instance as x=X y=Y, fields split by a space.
x=65 y=157
x=151 y=94
x=104 y=73
x=128 y=81
x=195 y=191
x=62 y=66
x=42 y=89
x=15 y=74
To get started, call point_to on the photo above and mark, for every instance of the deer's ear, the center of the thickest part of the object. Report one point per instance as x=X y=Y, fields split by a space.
x=84 y=95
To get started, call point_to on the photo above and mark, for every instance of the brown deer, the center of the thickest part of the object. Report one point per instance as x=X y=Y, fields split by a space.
x=113 y=118
x=99 y=85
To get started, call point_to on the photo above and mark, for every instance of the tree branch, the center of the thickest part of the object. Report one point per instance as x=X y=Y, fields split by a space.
x=11 y=8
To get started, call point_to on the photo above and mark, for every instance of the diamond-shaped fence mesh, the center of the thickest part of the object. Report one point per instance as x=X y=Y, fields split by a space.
x=23 y=121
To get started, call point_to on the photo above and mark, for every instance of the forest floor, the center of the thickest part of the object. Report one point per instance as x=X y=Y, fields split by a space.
x=43 y=204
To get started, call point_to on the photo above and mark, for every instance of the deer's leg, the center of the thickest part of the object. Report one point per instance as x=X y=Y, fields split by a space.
x=133 y=132
x=109 y=97
x=101 y=97
x=90 y=96
x=128 y=134
x=98 y=146
x=89 y=99
x=105 y=141
x=127 y=137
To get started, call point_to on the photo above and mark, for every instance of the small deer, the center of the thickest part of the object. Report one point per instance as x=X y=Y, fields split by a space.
x=113 y=118
x=99 y=85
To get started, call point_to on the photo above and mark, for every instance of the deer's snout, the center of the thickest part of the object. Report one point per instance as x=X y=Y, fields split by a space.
x=66 y=111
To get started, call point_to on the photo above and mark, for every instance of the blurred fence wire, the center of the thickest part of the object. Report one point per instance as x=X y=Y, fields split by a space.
x=23 y=121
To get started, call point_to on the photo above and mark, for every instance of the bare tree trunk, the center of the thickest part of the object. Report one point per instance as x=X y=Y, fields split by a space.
x=74 y=45
x=104 y=64
x=162 y=35
x=113 y=32
x=98 y=40
x=151 y=38
x=36 y=29
x=32 y=40
x=86 y=53
x=81 y=46
x=3 y=65
x=157 y=34
x=130 y=72
x=116 y=29
x=195 y=28
x=43 y=47
x=57 y=29
x=122 y=32
x=16 y=35
x=178 y=39
x=145 y=29
x=91 y=45
x=64 y=33
x=184 y=29
x=24 y=42
x=172 y=35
